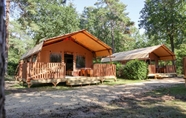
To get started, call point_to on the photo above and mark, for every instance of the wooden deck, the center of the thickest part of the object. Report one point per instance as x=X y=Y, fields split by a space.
x=161 y=75
x=56 y=72
x=161 y=72
x=82 y=80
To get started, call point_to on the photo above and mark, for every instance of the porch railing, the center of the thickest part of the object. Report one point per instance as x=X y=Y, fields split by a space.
x=166 y=69
x=100 y=70
x=152 y=69
x=39 y=70
x=170 y=69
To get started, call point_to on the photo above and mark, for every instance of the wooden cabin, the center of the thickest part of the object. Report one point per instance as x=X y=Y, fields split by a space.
x=154 y=56
x=65 y=58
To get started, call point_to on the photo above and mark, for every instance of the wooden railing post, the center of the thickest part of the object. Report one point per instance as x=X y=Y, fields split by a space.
x=27 y=71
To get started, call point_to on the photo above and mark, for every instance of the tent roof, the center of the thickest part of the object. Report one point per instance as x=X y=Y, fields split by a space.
x=161 y=51
x=34 y=50
x=82 y=38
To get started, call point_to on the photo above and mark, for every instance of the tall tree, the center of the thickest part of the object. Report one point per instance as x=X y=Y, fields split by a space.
x=7 y=29
x=19 y=43
x=108 y=21
x=164 y=20
x=46 y=18
x=2 y=57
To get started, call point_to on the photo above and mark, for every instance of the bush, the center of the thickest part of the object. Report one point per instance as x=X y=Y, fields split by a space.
x=11 y=68
x=119 y=69
x=136 y=70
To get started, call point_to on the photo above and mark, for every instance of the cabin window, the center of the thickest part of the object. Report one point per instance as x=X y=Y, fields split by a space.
x=34 y=58
x=54 y=57
x=80 y=61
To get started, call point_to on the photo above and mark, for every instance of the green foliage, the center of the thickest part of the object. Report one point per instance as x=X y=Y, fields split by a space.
x=119 y=69
x=19 y=43
x=136 y=70
x=109 y=22
x=12 y=67
x=179 y=58
x=46 y=18
x=164 y=21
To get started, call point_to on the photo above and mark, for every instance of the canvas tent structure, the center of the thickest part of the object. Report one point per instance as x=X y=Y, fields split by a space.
x=152 y=55
x=67 y=55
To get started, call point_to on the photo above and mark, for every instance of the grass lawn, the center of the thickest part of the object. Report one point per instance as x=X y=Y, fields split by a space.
x=121 y=81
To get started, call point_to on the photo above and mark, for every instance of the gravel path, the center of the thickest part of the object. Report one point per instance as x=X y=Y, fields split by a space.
x=47 y=104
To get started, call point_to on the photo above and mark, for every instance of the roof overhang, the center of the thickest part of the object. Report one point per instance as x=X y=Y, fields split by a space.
x=82 y=38
x=86 y=40
x=161 y=51
x=164 y=53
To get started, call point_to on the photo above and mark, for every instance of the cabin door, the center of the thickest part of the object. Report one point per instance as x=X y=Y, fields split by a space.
x=69 y=63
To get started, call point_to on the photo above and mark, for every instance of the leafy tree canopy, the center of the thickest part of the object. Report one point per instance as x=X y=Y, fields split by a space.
x=109 y=22
x=164 y=21
x=46 y=18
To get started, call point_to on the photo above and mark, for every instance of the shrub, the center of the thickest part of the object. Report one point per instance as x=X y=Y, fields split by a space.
x=136 y=70
x=11 y=68
x=119 y=69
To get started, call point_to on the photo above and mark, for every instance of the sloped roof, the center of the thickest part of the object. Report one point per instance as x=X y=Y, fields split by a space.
x=82 y=37
x=143 y=53
x=32 y=51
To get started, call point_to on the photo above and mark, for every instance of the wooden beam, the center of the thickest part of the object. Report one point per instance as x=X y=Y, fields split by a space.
x=109 y=56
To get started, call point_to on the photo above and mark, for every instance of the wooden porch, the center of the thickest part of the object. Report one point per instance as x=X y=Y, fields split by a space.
x=162 y=71
x=40 y=72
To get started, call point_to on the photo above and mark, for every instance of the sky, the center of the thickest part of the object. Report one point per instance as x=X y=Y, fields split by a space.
x=133 y=7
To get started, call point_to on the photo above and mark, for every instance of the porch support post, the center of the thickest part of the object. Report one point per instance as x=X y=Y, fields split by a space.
x=109 y=56
x=94 y=56
x=63 y=57
x=74 y=61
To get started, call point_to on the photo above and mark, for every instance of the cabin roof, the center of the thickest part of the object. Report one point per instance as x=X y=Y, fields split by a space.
x=82 y=38
x=161 y=51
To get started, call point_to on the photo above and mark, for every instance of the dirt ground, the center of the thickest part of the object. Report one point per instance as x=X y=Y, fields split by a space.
x=85 y=102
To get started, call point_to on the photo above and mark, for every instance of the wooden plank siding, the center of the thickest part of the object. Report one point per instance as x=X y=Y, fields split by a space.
x=39 y=70
x=152 y=69
x=101 y=70
x=166 y=69
x=170 y=69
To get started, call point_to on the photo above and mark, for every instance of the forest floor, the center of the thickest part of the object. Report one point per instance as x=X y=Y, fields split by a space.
x=155 y=98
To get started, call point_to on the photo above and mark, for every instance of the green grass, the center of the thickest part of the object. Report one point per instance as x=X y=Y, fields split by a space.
x=121 y=81
x=9 y=78
x=179 y=90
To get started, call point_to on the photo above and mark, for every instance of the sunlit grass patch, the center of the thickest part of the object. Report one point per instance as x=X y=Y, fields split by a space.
x=121 y=81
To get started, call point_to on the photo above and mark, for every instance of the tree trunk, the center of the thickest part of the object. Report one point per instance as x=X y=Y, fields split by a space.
x=7 y=32
x=112 y=36
x=172 y=45
x=2 y=57
x=172 y=42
